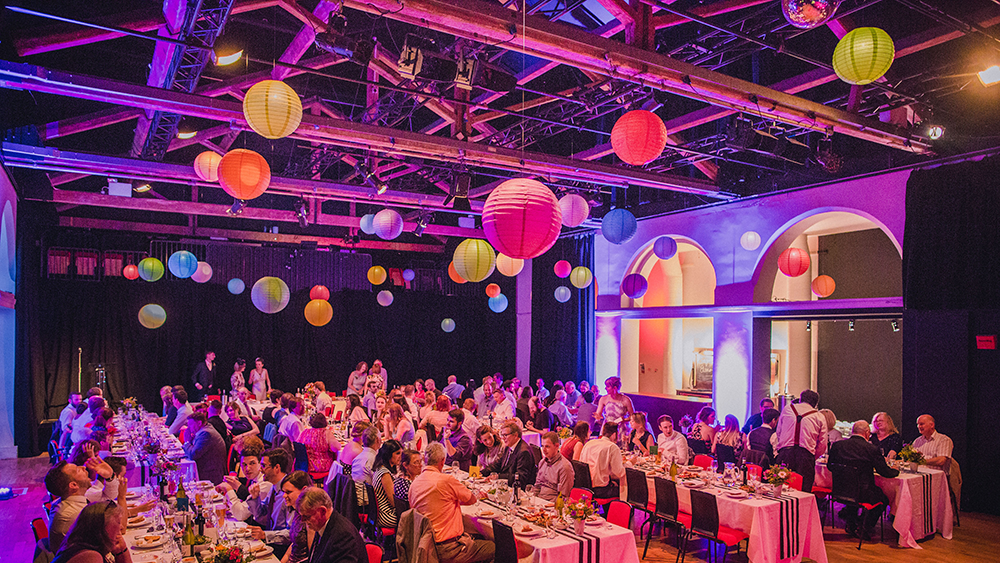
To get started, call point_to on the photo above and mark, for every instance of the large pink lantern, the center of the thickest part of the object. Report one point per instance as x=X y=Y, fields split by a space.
x=793 y=262
x=522 y=218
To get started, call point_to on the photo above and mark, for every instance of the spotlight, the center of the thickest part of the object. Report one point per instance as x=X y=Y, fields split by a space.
x=380 y=187
x=422 y=222
x=935 y=132
x=420 y=58
x=895 y=325
x=186 y=134
x=990 y=76
x=237 y=207
x=6 y=493
x=850 y=326
x=459 y=190
x=141 y=187
x=302 y=212
x=334 y=41
x=226 y=59
x=809 y=326
x=371 y=179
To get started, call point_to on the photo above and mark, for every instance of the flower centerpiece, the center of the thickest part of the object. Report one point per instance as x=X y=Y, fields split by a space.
x=777 y=476
x=130 y=403
x=912 y=456
x=229 y=552
x=565 y=433
x=579 y=511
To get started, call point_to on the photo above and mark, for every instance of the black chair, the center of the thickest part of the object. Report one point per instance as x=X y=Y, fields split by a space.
x=724 y=454
x=755 y=457
x=581 y=475
x=698 y=446
x=301 y=457
x=667 y=510
x=506 y=546
x=847 y=491
x=344 y=494
x=402 y=505
x=705 y=523
x=536 y=453
x=638 y=493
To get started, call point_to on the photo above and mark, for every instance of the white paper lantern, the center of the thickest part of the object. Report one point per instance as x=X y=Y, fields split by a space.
x=750 y=240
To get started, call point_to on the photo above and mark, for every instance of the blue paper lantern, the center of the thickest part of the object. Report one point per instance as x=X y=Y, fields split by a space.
x=498 y=304
x=634 y=286
x=618 y=226
x=664 y=248
x=368 y=224
x=409 y=274
x=182 y=264
x=448 y=325
x=236 y=286
x=563 y=294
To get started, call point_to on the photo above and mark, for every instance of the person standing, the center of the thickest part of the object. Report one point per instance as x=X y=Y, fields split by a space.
x=204 y=376
x=67 y=415
x=237 y=381
x=358 y=379
x=615 y=406
x=801 y=437
x=857 y=452
x=260 y=380
x=454 y=389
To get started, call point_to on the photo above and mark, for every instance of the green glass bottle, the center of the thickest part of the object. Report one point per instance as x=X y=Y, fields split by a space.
x=182 y=498
x=188 y=538
x=560 y=503
x=673 y=471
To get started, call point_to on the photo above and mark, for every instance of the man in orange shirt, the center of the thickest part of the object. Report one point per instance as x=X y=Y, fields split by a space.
x=439 y=497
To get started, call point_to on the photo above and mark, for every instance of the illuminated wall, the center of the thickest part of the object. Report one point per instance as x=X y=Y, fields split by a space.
x=8 y=274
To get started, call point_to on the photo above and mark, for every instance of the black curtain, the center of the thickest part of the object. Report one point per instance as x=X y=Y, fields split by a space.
x=562 y=334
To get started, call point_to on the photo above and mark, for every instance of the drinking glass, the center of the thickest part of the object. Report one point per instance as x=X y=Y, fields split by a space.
x=454 y=467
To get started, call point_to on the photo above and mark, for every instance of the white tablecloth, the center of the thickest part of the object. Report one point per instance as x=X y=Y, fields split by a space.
x=919 y=501
x=533 y=438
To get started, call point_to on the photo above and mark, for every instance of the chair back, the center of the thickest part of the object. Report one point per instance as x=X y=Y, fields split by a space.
x=55 y=455
x=374 y=553
x=301 y=457
x=638 y=488
x=231 y=460
x=703 y=461
x=755 y=470
x=846 y=483
x=577 y=494
x=506 y=546
x=344 y=495
x=620 y=513
x=697 y=446
x=39 y=528
x=269 y=431
x=725 y=454
x=338 y=416
x=795 y=481
x=758 y=458
x=581 y=475
x=402 y=505
x=666 y=497
x=704 y=513
x=182 y=435
x=536 y=453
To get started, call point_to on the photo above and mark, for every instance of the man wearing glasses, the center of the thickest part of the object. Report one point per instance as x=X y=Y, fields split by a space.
x=516 y=460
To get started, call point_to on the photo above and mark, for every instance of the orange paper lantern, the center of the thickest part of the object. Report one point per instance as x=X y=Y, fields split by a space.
x=318 y=312
x=492 y=290
x=823 y=286
x=244 y=174
x=638 y=137
x=793 y=262
x=453 y=274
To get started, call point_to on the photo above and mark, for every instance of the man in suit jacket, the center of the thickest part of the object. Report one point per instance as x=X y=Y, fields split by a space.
x=206 y=448
x=857 y=451
x=337 y=540
x=517 y=460
x=204 y=376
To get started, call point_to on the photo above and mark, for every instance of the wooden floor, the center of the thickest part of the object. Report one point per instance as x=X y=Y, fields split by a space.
x=974 y=541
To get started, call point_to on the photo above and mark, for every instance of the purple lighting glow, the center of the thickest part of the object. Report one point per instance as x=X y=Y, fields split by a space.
x=607 y=354
x=731 y=370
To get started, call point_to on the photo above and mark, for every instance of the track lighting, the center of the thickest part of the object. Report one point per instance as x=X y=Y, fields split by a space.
x=237 y=207
x=935 y=132
x=990 y=76
x=809 y=326
x=422 y=222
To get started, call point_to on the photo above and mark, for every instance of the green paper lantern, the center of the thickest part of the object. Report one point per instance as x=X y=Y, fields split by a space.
x=863 y=55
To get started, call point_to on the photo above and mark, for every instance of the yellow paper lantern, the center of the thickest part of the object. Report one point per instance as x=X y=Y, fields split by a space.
x=244 y=174
x=376 y=275
x=272 y=109
x=319 y=312
x=508 y=266
x=581 y=277
x=863 y=55
x=152 y=316
x=206 y=166
x=474 y=259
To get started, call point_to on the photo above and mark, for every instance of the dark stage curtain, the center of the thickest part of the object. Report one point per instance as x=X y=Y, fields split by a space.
x=562 y=334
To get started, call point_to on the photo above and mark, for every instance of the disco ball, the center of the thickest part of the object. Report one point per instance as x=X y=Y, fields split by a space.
x=807 y=14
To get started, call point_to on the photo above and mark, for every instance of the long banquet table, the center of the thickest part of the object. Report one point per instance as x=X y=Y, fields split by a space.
x=138 y=470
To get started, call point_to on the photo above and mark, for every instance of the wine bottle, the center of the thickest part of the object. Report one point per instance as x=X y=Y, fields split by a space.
x=188 y=537
x=182 y=498
x=673 y=471
x=560 y=503
x=199 y=520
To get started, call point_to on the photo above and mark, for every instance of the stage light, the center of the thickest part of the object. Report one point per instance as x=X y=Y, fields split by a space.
x=809 y=326
x=333 y=40
x=935 y=132
x=419 y=58
x=141 y=187
x=186 y=134
x=895 y=325
x=371 y=179
x=850 y=326
x=459 y=190
x=227 y=59
x=6 y=493
x=990 y=76
x=381 y=187
x=302 y=213
x=422 y=223
x=237 y=207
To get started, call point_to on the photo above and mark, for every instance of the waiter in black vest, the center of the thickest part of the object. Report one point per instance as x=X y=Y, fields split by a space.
x=801 y=437
x=204 y=377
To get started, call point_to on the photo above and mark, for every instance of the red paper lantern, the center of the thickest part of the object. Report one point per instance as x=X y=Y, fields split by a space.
x=522 y=218
x=131 y=272
x=823 y=286
x=453 y=274
x=562 y=268
x=319 y=292
x=793 y=262
x=244 y=174
x=638 y=137
x=492 y=290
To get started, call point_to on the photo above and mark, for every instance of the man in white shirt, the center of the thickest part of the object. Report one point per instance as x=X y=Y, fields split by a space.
x=935 y=446
x=504 y=409
x=470 y=424
x=605 y=460
x=672 y=446
x=184 y=410
x=68 y=482
x=291 y=424
x=80 y=431
x=268 y=506
x=542 y=392
x=68 y=413
x=484 y=396
x=801 y=437
x=559 y=409
x=238 y=491
x=572 y=395
x=361 y=467
x=323 y=400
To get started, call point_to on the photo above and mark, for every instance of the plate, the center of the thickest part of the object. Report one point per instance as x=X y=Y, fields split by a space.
x=262 y=551
x=488 y=514
x=131 y=495
x=693 y=484
x=141 y=543
x=594 y=521
x=534 y=531
x=693 y=469
x=736 y=494
x=137 y=522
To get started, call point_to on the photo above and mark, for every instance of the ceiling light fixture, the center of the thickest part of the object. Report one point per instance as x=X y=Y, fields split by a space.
x=935 y=132
x=302 y=212
x=334 y=40
x=186 y=134
x=895 y=325
x=809 y=326
x=850 y=326
x=141 y=187
x=422 y=222
x=227 y=59
x=990 y=76
x=237 y=207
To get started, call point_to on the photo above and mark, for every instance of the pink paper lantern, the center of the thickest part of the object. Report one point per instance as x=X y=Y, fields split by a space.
x=562 y=268
x=793 y=262
x=634 y=286
x=522 y=218
x=575 y=210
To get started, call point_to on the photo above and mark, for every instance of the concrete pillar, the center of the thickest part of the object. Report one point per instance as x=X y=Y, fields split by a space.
x=8 y=226
x=731 y=370
x=799 y=341
x=522 y=309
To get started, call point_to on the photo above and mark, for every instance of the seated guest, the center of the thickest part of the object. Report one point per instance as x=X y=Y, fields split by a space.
x=572 y=395
x=96 y=536
x=347 y=453
x=640 y=438
x=522 y=409
x=454 y=389
x=857 y=452
x=380 y=413
x=283 y=408
x=361 y=465
x=167 y=396
x=935 y=446
x=439 y=415
x=418 y=391
x=730 y=436
x=291 y=487
x=410 y=465
x=484 y=396
x=268 y=413
x=67 y=482
x=582 y=388
x=571 y=448
x=267 y=505
x=587 y=408
x=398 y=425
x=215 y=419
x=503 y=410
x=759 y=439
x=439 y=497
x=337 y=540
x=386 y=462
x=559 y=409
x=832 y=434
x=605 y=461
x=542 y=419
x=671 y=445
x=65 y=425
x=555 y=472
x=488 y=446
x=321 y=445
x=206 y=448
x=758 y=417
x=323 y=399
x=80 y=427
x=411 y=402
x=238 y=489
x=430 y=403
x=104 y=488
x=705 y=428
x=457 y=442
x=184 y=410
x=356 y=413
x=429 y=385
x=239 y=424
x=885 y=437
x=516 y=460
x=372 y=389
x=542 y=392
x=471 y=423
x=292 y=425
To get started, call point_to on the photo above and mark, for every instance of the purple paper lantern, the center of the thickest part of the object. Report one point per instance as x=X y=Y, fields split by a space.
x=664 y=248
x=634 y=286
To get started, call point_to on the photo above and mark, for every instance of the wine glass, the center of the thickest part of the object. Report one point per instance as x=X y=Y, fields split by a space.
x=454 y=467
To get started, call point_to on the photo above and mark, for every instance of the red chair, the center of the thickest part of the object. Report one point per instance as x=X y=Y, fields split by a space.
x=620 y=514
x=374 y=553
x=182 y=434
x=327 y=411
x=318 y=476
x=703 y=461
x=211 y=398
x=795 y=481
x=40 y=529
x=824 y=494
x=340 y=415
x=577 y=494
x=755 y=470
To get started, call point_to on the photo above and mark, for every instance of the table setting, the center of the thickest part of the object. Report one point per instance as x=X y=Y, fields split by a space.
x=149 y=448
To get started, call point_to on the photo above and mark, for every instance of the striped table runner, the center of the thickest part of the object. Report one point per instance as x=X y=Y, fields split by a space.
x=588 y=545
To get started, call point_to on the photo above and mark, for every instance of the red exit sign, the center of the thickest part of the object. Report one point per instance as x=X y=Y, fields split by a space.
x=987 y=342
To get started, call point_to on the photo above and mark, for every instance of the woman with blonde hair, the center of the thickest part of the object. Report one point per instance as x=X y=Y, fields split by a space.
x=832 y=434
x=730 y=435
x=885 y=437
x=640 y=438
x=397 y=426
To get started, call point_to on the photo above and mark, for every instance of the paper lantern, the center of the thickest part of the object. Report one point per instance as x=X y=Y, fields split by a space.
x=492 y=290
x=131 y=272
x=793 y=262
x=182 y=264
x=580 y=277
x=474 y=259
x=409 y=274
x=447 y=325
x=453 y=274
x=152 y=316
x=150 y=269
x=863 y=55
x=618 y=226
x=272 y=109
x=639 y=137
x=269 y=294
x=664 y=248
x=750 y=241
x=563 y=294
x=575 y=210
x=244 y=174
x=508 y=266
x=206 y=166
x=203 y=273
x=388 y=224
x=368 y=224
x=634 y=286
x=823 y=286
x=562 y=268
x=807 y=14
x=376 y=275
x=384 y=298
x=498 y=304
x=319 y=292
x=236 y=286
x=318 y=312
x=521 y=218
